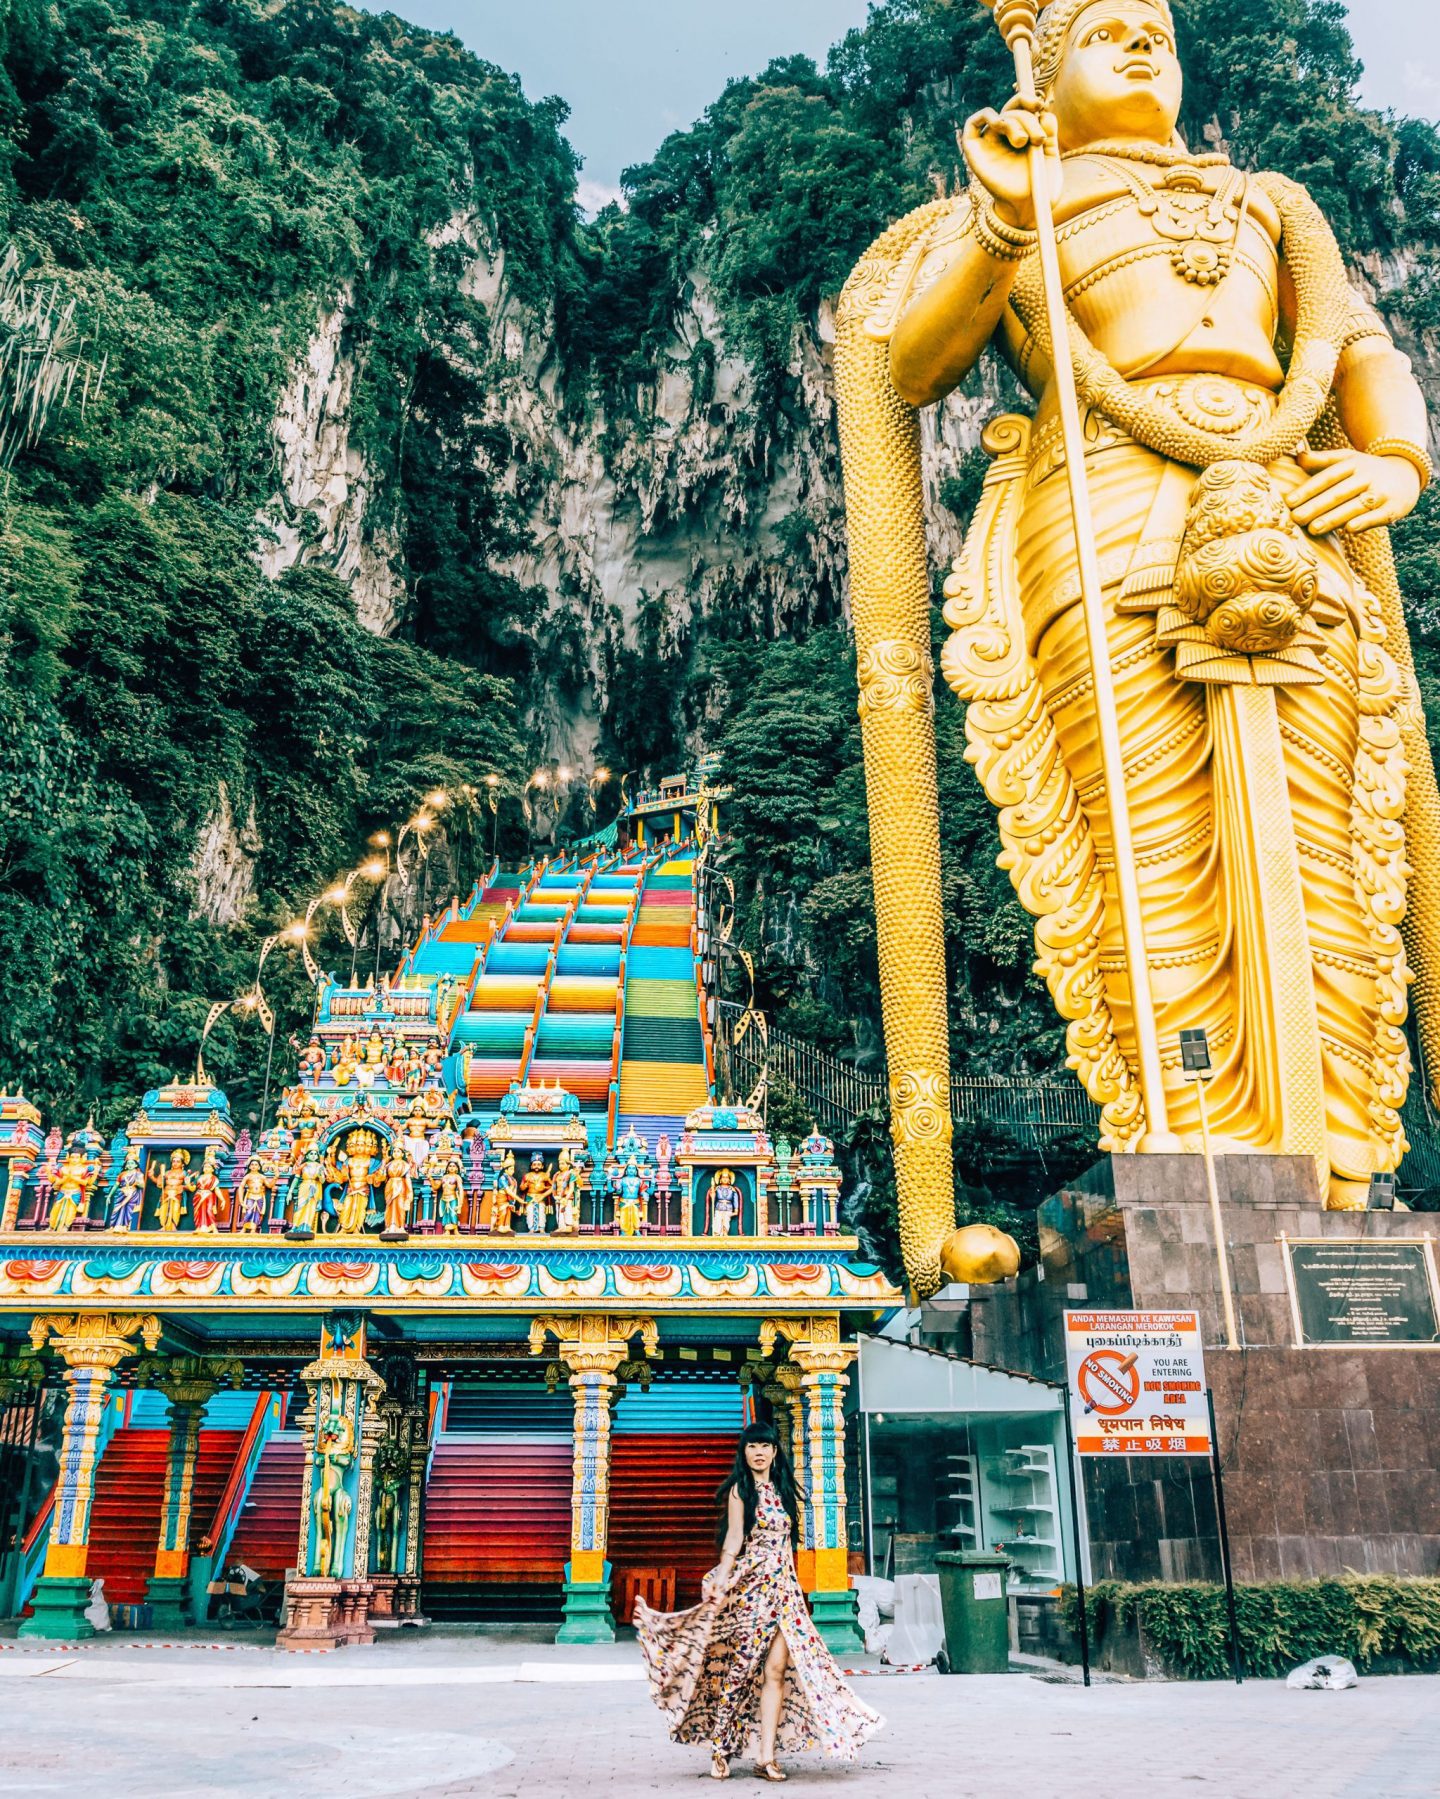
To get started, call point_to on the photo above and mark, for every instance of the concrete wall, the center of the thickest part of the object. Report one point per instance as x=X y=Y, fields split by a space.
x=1331 y=1457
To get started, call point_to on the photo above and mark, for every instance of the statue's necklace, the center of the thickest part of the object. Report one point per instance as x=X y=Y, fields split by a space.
x=1202 y=227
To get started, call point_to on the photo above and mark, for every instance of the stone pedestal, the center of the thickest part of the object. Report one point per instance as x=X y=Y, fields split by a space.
x=407 y=1602
x=837 y=1617
x=314 y=1623
x=587 y=1610
x=169 y=1602
x=384 y=1613
x=352 y=1612
x=1331 y=1456
x=59 y=1603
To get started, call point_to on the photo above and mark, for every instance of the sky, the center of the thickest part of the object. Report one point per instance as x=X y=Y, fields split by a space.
x=635 y=70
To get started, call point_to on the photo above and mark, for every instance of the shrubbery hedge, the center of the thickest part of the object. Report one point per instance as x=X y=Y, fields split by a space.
x=1368 y=1617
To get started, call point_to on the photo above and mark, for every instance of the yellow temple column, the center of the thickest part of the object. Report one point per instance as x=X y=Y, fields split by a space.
x=91 y=1345
x=822 y=1362
x=189 y=1383
x=591 y=1348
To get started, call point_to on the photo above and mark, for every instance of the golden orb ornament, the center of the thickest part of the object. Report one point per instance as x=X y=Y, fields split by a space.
x=978 y=1254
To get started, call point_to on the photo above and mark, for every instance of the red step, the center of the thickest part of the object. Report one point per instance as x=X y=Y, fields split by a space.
x=662 y=1503
x=497 y=1511
x=267 y=1537
x=129 y=1496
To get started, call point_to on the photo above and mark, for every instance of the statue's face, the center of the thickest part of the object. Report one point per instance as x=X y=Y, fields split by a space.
x=1119 y=77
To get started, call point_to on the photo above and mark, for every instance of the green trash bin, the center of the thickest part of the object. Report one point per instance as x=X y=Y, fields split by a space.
x=977 y=1613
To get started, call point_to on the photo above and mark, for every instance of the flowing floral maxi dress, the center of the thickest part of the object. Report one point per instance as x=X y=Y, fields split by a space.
x=706 y=1666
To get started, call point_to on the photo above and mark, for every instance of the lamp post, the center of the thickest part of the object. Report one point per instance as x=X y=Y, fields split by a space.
x=380 y=840
x=597 y=780
x=1195 y=1066
x=492 y=789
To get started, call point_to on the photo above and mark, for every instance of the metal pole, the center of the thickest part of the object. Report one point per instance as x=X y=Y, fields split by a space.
x=1224 y=1540
x=1017 y=24
x=1232 y=1337
x=269 y=1060
x=1072 y=1470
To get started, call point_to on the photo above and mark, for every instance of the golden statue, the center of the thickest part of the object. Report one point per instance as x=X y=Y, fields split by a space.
x=74 y=1183
x=174 y=1183
x=358 y=1166
x=1220 y=799
x=399 y=1193
x=566 y=1197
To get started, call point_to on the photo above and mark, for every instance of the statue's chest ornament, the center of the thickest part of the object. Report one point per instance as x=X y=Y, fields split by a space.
x=1203 y=227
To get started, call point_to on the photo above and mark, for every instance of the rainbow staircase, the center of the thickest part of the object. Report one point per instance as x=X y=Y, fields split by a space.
x=130 y=1488
x=267 y=1537
x=664 y=1070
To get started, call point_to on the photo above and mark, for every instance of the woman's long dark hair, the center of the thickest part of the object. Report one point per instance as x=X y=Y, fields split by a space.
x=740 y=1480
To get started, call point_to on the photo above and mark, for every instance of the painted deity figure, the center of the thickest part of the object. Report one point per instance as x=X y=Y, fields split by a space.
x=308 y=1195
x=399 y=1193
x=357 y=1167
x=630 y=1200
x=505 y=1196
x=74 y=1181
x=208 y=1198
x=1249 y=430
x=724 y=1203
x=449 y=1188
x=252 y=1197
x=536 y=1186
x=374 y=1048
x=334 y=1456
x=312 y=1060
x=127 y=1192
x=566 y=1195
x=433 y=1060
x=174 y=1184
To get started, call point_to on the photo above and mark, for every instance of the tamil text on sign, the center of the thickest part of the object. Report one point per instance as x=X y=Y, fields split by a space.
x=1370 y=1294
x=1137 y=1383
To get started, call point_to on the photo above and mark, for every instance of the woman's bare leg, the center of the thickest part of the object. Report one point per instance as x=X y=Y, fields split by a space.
x=772 y=1694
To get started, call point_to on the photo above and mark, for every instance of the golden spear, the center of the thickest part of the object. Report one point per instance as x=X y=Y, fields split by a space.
x=1016 y=22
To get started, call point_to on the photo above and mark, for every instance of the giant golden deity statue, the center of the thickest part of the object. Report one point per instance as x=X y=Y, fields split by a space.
x=1214 y=819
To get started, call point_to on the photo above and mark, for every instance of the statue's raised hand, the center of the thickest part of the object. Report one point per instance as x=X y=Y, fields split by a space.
x=996 y=145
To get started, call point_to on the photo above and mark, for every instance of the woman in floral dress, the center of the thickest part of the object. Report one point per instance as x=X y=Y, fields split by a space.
x=747 y=1666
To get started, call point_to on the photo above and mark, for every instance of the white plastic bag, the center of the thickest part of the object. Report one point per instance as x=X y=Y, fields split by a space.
x=1324 y=1673
x=97 y=1612
x=919 y=1633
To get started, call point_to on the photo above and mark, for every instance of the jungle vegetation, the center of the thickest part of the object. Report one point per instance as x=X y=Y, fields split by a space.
x=200 y=177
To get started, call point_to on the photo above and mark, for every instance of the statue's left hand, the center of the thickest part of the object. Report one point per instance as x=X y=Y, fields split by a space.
x=1348 y=490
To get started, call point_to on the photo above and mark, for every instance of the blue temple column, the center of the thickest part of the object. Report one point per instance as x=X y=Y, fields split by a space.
x=591 y=1348
x=823 y=1362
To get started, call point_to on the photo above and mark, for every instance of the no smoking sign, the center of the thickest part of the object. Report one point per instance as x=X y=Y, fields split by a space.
x=1137 y=1383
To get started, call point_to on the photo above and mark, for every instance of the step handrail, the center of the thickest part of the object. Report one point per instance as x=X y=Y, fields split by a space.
x=264 y=1422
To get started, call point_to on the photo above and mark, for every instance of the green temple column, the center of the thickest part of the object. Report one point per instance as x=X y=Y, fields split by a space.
x=91 y=1345
x=823 y=1362
x=329 y=1598
x=189 y=1383
x=591 y=1349
x=397 y=1500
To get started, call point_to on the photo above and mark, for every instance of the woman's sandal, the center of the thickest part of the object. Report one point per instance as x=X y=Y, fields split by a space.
x=769 y=1771
x=719 y=1766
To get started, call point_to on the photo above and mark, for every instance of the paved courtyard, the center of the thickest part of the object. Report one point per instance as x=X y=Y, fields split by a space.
x=507 y=1716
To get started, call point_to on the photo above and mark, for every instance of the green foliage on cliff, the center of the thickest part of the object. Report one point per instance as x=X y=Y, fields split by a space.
x=204 y=180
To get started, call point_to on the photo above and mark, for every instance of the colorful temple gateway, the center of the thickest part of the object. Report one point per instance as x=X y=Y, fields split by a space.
x=467 y=1331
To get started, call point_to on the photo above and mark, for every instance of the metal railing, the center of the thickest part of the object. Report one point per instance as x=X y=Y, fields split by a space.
x=839 y=1093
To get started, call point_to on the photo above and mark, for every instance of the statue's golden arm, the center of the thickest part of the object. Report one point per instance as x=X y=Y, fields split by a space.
x=1377 y=396
x=946 y=325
